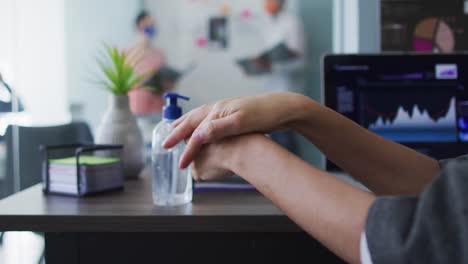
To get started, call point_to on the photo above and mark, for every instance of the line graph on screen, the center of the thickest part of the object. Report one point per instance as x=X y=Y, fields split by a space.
x=412 y=119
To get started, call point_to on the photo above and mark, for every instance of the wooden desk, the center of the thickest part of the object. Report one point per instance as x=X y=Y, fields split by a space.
x=125 y=227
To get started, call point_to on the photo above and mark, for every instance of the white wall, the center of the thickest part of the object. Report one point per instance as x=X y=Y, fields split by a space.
x=346 y=26
x=216 y=75
x=356 y=26
x=32 y=56
x=88 y=25
x=369 y=26
x=48 y=51
x=8 y=43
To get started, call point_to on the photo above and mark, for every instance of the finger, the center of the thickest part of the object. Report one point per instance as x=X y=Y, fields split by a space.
x=183 y=130
x=195 y=174
x=215 y=129
x=203 y=110
x=191 y=149
x=179 y=121
x=209 y=131
x=178 y=134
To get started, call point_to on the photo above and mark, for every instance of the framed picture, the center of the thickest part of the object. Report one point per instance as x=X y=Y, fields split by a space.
x=424 y=25
x=218 y=32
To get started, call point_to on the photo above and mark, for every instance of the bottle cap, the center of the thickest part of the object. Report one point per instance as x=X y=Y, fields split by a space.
x=172 y=111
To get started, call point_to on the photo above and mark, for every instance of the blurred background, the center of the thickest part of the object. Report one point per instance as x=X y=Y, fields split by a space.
x=49 y=51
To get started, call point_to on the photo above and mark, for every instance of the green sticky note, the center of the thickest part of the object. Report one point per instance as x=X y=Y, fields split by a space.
x=84 y=160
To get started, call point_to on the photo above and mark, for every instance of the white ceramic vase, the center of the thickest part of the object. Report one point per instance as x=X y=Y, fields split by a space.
x=119 y=126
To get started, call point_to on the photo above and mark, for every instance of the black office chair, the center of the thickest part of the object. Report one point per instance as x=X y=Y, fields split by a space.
x=30 y=138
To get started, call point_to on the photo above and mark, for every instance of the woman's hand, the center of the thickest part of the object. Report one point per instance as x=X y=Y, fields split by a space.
x=218 y=160
x=231 y=117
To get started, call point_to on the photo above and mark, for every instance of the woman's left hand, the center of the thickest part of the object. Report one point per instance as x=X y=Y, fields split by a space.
x=213 y=161
x=218 y=160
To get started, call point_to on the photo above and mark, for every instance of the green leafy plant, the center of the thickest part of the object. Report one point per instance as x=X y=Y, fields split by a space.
x=119 y=71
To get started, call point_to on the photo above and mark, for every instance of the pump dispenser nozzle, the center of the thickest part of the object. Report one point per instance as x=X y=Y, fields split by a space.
x=172 y=111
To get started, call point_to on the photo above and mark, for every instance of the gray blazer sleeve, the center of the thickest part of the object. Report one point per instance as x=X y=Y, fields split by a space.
x=429 y=228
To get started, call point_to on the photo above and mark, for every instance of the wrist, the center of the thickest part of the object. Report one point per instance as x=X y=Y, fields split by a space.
x=238 y=149
x=303 y=113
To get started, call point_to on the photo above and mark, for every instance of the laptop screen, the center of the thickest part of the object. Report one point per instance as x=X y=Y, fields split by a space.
x=420 y=101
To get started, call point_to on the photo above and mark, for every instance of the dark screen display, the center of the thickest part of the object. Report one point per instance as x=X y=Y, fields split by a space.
x=420 y=101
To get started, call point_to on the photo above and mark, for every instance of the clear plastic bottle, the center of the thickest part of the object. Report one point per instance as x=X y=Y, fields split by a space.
x=171 y=185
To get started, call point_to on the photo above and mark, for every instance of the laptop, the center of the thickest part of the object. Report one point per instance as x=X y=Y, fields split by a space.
x=418 y=100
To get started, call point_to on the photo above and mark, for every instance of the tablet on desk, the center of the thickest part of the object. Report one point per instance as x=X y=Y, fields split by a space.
x=235 y=183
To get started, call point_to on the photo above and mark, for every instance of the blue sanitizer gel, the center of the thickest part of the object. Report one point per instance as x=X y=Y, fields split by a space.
x=171 y=185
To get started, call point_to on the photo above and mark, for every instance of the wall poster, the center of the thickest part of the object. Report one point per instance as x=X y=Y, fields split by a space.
x=424 y=25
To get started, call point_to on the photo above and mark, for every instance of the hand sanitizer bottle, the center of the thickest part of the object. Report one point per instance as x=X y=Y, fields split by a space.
x=171 y=185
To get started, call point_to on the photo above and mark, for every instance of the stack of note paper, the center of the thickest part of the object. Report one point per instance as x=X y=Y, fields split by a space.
x=96 y=174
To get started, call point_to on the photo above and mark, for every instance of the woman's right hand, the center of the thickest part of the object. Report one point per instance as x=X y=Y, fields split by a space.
x=237 y=116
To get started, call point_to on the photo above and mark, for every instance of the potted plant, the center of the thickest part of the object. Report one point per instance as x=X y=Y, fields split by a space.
x=119 y=125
